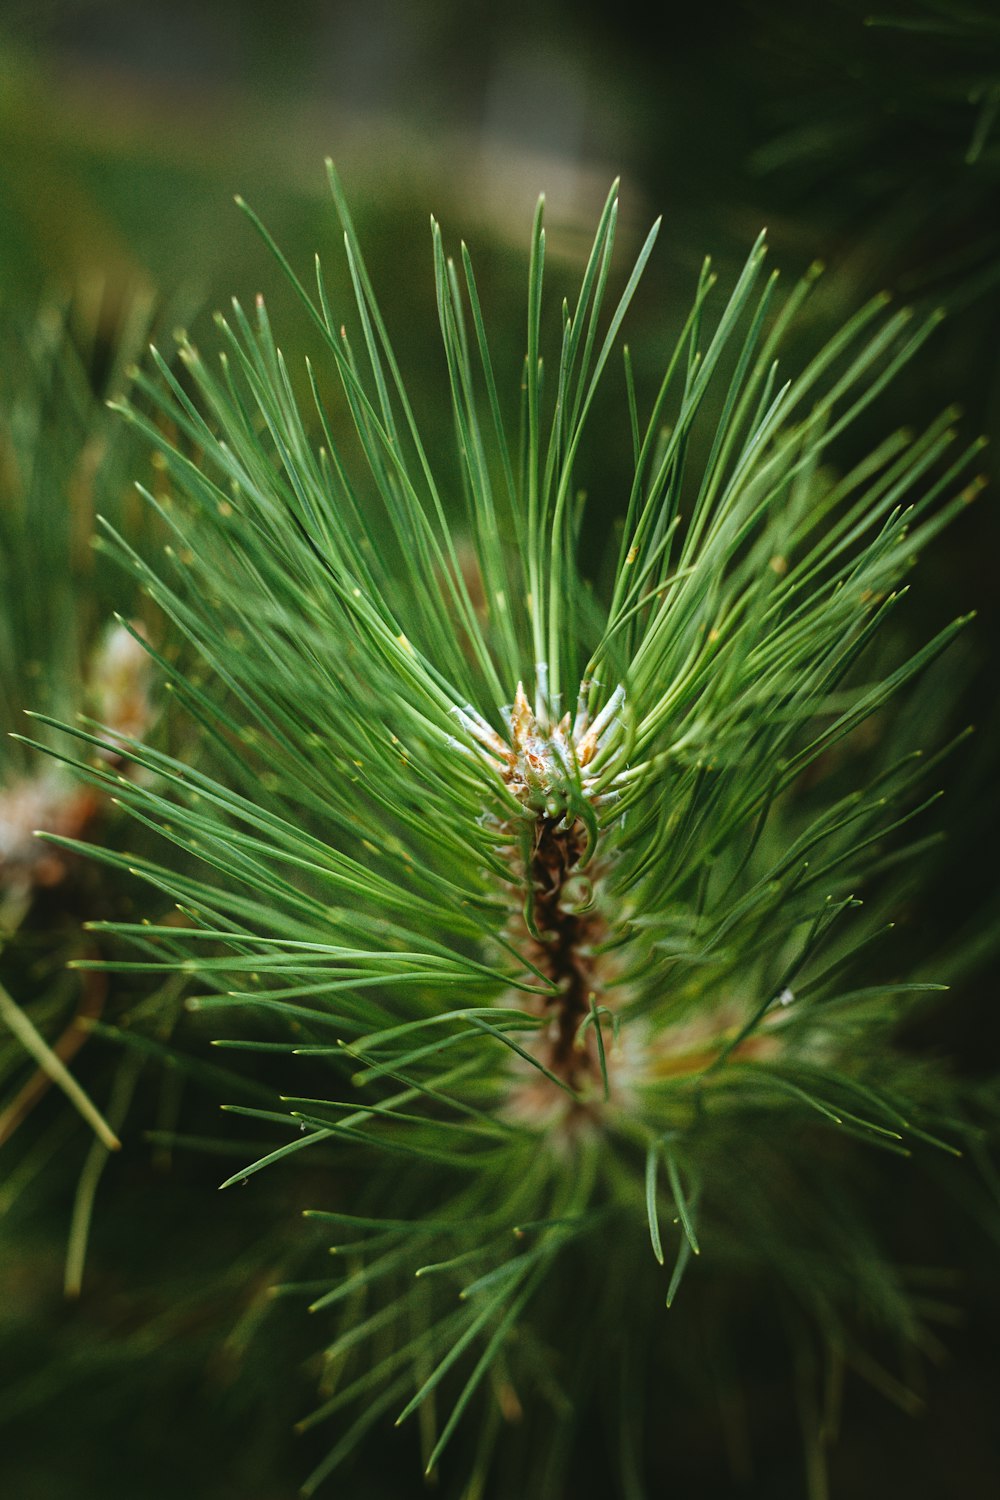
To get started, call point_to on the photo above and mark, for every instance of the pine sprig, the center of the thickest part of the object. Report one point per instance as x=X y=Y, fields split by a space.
x=563 y=892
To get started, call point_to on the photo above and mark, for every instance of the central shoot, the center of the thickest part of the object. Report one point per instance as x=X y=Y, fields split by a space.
x=553 y=767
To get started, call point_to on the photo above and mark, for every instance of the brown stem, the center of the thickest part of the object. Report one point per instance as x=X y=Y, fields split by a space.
x=564 y=950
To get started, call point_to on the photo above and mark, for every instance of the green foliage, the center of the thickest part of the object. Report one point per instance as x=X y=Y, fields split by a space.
x=550 y=885
x=61 y=457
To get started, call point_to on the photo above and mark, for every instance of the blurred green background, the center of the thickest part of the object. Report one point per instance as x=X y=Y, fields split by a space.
x=125 y=131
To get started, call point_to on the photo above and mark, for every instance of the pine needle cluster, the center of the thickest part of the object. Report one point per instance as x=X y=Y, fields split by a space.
x=552 y=889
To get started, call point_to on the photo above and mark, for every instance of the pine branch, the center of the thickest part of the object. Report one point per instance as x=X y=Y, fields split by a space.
x=561 y=904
